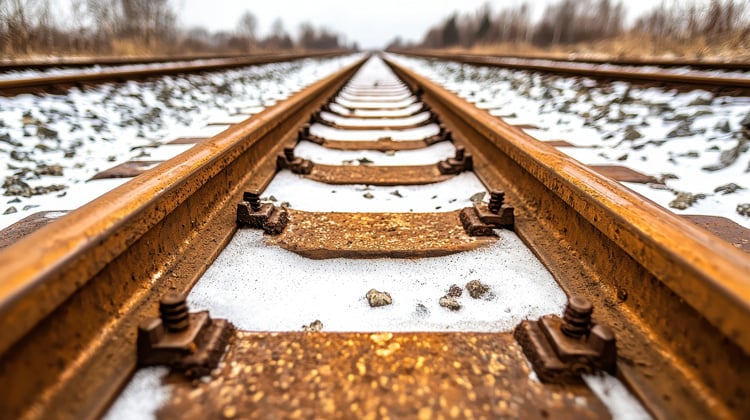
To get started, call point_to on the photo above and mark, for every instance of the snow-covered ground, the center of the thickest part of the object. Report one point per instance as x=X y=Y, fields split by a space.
x=50 y=145
x=681 y=138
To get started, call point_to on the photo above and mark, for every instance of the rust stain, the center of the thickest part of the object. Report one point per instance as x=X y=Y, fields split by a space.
x=375 y=235
x=377 y=175
x=381 y=375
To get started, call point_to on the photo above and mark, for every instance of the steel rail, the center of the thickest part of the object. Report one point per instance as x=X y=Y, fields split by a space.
x=41 y=83
x=673 y=288
x=78 y=62
x=654 y=62
x=68 y=311
x=693 y=80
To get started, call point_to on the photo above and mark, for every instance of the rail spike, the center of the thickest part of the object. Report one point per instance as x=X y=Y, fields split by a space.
x=192 y=343
x=562 y=349
x=254 y=214
x=482 y=220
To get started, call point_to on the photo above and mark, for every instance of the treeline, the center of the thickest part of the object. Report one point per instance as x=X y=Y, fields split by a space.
x=569 y=22
x=137 y=27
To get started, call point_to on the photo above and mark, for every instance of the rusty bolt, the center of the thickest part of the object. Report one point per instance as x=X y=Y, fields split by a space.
x=577 y=317
x=253 y=197
x=497 y=198
x=289 y=153
x=460 y=151
x=174 y=312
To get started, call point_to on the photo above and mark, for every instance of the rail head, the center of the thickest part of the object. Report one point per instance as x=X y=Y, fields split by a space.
x=710 y=274
x=43 y=269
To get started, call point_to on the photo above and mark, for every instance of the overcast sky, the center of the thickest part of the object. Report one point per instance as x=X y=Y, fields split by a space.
x=371 y=23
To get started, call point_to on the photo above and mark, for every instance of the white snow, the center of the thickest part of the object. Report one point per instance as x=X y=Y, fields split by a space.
x=102 y=126
x=596 y=116
x=142 y=397
x=621 y=403
x=260 y=287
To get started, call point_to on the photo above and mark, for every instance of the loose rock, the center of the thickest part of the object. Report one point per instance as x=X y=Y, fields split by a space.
x=685 y=200
x=728 y=188
x=455 y=291
x=313 y=326
x=682 y=130
x=477 y=289
x=11 y=210
x=743 y=209
x=723 y=126
x=632 y=134
x=377 y=298
x=450 y=303
x=368 y=196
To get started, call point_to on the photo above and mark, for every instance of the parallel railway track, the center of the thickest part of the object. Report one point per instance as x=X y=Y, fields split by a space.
x=675 y=296
x=653 y=62
x=60 y=82
x=726 y=84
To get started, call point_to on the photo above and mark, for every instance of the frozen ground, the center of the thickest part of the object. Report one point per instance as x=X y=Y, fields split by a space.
x=50 y=145
x=333 y=290
x=693 y=141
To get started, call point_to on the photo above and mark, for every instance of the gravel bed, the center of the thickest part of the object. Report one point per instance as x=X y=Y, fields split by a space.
x=49 y=144
x=696 y=142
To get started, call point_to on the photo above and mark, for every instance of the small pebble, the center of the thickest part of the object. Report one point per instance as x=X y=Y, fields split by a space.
x=743 y=209
x=368 y=196
x=728 y=188
x=477 y=289
x=377 y=298
x=685 y=200
x=455 y=291
x=450 y=303
x=313 y=326
x=11 y=210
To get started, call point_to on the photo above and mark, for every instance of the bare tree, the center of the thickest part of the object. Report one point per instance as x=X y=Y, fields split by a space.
x=247 y=25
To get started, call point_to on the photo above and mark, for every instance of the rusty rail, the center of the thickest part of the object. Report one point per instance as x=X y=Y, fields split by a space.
x=78 y=62
x=671 y=287
x=616 y=61
x=673 y=79
x=59 y=82
x=70 y=316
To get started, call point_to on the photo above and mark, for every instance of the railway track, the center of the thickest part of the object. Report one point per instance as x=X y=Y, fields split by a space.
x=59 y=82
x=655 y=62
x=728 y=84
x=452 y=261
x=82 y=62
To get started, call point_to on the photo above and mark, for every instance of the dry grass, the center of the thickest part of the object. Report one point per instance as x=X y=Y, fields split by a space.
x=630 y=46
